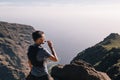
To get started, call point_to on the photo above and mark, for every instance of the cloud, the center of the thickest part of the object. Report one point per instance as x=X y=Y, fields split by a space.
x=61 y=1
x=32 y=3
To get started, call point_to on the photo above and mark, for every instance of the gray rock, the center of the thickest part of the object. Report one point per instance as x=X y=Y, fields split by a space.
x=14 y=41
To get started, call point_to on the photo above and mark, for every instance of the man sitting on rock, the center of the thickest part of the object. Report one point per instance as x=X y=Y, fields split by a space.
x=38 y=57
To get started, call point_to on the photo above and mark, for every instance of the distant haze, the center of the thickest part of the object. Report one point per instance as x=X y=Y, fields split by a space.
x=73 y=25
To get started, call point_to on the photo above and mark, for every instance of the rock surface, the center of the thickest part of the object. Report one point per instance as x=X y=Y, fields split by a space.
x=78 y=70
x=14 y=41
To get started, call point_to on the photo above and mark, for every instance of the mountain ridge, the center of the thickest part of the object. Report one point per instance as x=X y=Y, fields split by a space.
x=104 y=56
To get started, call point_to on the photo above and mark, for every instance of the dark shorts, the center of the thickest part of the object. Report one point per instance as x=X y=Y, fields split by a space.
x=45 y=77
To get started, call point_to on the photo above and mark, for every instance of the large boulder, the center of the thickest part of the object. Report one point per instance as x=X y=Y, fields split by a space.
x=77 y=70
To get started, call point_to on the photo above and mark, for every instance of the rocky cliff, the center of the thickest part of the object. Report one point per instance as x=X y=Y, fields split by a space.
x=14 y=41
x=104 y=56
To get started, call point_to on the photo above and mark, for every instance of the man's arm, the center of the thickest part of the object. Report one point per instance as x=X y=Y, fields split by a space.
x=30 y=65
x=54 y=56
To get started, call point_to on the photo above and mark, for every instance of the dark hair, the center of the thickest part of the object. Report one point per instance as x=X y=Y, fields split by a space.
x=37 y=34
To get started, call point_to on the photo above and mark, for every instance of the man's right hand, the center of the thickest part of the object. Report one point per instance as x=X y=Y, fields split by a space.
x=50 y=44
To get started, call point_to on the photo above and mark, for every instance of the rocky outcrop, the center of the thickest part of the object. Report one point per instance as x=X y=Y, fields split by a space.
x=77 y=70
x=14 y=41
x=104 y=56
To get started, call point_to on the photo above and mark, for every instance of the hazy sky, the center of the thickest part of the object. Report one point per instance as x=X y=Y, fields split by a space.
x=73 y=25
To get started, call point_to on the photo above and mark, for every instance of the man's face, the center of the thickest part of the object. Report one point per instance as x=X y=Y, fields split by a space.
x=41 y=40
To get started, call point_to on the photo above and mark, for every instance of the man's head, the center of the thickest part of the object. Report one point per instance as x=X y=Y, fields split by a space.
x=38 y=37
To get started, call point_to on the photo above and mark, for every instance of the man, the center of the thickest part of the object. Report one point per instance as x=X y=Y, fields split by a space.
x=38 y=57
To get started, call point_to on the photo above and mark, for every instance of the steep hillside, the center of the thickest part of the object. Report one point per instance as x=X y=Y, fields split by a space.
x=104 y=56
x=14 y=41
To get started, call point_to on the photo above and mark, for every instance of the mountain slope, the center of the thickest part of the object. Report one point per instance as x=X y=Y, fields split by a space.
x=104 y=56
x=14 y=41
